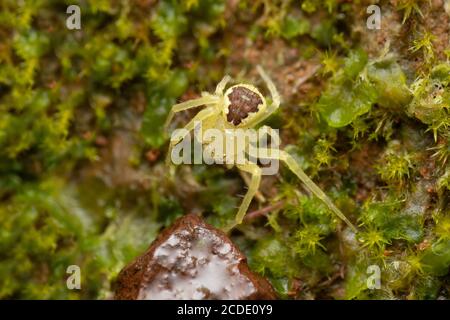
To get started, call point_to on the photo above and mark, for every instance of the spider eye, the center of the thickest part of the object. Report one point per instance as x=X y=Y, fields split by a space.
x=242 y=101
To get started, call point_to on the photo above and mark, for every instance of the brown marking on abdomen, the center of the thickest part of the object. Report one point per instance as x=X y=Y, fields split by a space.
x=242 y=102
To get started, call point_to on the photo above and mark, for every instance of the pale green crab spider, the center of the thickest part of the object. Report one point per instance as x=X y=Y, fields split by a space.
x=242 y=106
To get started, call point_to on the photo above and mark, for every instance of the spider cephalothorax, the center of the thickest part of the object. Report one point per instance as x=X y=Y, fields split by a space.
x=242 y=103
x=243 y=107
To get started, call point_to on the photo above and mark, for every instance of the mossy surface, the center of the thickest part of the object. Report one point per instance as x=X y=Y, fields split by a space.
x=366 y=112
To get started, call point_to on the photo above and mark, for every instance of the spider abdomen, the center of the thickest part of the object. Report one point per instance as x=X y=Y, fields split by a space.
x=241 y=102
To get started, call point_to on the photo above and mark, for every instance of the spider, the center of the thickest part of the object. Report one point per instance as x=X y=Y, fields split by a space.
x=243 y=106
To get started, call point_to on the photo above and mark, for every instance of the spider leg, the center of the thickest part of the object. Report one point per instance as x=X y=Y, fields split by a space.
x=276 y=100
x=247 y=181
x=222 y=84
x=255 y=172
x=203 y=115
x=208 y=99
x=293 y=165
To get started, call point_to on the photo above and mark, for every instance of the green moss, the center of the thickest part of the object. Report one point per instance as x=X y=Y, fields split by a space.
x=431 y=101
x=387 y=221
x=436 y=259
x=395 y=165
x=348 y=96
x=270 y=257
x=359 y=85
x=390 y=83
x=293 y=26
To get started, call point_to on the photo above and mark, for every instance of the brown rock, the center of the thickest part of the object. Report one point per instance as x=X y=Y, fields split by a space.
x=191 y=260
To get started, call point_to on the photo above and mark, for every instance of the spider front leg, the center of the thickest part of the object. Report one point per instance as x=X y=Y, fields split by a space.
x=202 y=116
x=276 y=100
x=293 y=165
x=205 y=100
x=222 y=84
x=255 y=172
